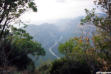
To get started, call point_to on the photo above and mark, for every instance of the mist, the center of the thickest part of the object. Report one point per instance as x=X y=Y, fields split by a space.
x=51 y=11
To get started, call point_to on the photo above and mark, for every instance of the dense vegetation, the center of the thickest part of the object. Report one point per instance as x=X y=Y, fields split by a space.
x=15 y=43
x=82 y=55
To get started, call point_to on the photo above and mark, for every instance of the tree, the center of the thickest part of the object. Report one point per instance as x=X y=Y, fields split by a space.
x=11 y=10
x=102 y=39
x=17 y=47
x=16 y=44
x=66 y=66
x=74 y=46
x=81 y=51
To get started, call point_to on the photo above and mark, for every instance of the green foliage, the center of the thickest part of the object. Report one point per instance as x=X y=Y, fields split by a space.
x=18 y=44
x=33 y=6
x=66 y=66
x=75 y=46
x=67 y=47
x=102 y=39
x=69 y=66
x=44 y=68
x=88 y=17
x=23 y=42
x=10 y=10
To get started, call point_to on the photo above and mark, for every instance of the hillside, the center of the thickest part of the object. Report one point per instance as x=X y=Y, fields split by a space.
x=51 y=35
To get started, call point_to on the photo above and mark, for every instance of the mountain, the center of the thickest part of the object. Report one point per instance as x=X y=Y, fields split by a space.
x=51 y=35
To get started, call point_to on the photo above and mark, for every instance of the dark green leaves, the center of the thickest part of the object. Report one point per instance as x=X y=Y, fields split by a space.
x=32 y=5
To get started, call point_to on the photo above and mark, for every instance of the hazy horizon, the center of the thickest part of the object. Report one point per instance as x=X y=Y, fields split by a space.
x=50 y=11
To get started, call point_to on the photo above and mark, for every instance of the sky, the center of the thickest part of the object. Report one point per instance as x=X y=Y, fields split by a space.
x=53 y=10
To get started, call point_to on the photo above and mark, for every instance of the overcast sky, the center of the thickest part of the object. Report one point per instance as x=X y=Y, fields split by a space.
x=53 y=10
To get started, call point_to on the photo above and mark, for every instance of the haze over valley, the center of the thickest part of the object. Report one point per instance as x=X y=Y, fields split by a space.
x=51 y=35
x=59 y=22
